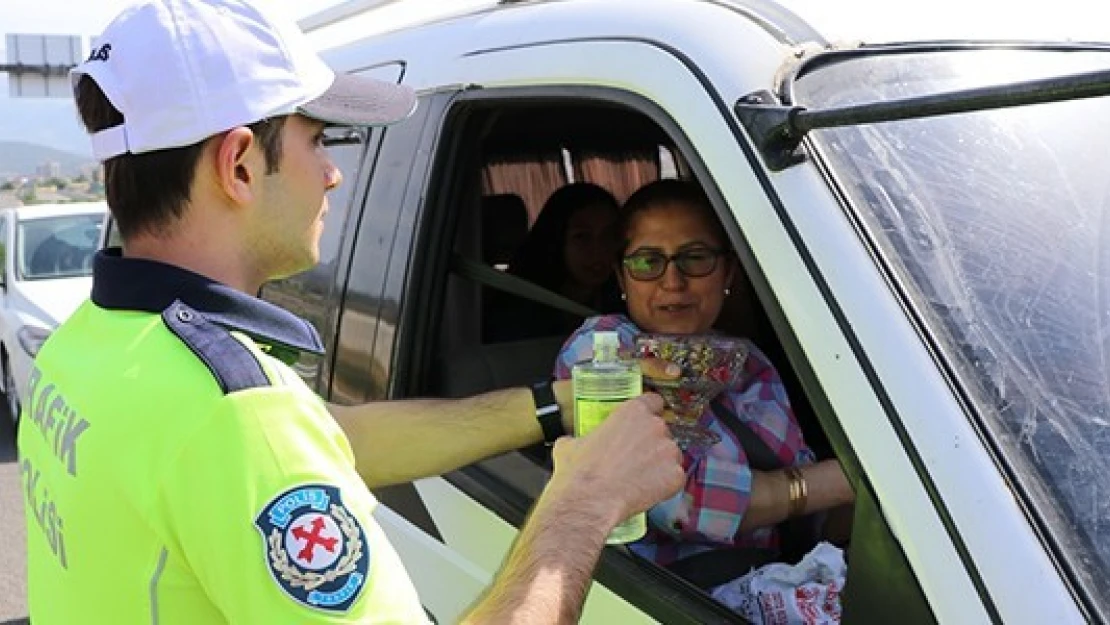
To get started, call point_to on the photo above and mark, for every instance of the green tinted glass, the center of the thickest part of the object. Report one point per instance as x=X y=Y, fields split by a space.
x=651 y=265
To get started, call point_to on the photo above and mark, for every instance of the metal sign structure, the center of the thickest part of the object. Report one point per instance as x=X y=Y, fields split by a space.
x=38 y=65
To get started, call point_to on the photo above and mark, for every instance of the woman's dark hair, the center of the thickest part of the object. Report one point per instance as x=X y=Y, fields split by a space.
x=147 y=192
x=667 y=192
x=540 y=258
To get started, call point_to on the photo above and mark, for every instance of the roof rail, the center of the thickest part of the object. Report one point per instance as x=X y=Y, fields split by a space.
x=339 y=12
x=355 y=20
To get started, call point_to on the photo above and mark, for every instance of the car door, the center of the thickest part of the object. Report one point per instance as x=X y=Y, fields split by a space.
x=470 y=518
x=476 y=510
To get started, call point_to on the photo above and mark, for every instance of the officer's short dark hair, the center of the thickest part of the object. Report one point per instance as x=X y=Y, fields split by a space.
x=147 y=192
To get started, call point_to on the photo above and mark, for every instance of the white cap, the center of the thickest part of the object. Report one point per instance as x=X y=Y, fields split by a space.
x=181 y=71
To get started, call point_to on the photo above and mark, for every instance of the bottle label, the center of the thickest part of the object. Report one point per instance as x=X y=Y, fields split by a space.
x=589 y=413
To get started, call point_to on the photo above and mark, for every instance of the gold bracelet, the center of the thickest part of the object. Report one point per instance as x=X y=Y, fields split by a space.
x=803 y=497
x=799 y=491
x=792 y=490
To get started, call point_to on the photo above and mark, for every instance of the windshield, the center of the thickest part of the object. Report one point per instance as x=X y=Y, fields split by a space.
x=997 y=226
x=57 y=247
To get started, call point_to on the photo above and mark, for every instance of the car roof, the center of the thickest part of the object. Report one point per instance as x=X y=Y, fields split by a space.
x=792 y=21
x=39 y=211
x=882 y=21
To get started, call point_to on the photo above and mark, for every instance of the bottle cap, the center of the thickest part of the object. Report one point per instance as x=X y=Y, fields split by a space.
x=606 y=344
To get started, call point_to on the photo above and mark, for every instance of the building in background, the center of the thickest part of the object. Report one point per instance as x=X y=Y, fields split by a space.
x=49 y=170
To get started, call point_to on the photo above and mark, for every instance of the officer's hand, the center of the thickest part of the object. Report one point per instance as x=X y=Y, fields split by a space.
x=628 y=463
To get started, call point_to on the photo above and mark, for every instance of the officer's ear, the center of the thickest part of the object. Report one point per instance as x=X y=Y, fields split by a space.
x=238 y=167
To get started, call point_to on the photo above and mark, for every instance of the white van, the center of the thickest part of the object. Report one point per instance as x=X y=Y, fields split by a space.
x=925 y=252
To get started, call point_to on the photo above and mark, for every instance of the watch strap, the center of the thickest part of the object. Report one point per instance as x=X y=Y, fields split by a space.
x=547 y=411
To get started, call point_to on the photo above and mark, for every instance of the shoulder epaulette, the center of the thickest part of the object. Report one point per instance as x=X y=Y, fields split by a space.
x=233 y=364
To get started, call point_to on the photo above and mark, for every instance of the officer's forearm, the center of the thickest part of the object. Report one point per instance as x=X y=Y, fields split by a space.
x=547 y=574
x=399 y=441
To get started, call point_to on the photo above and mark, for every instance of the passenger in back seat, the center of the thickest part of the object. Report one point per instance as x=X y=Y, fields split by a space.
x=675 y=271
x=569 y=250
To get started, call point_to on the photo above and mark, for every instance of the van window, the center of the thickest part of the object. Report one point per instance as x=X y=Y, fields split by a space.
x=526 y=154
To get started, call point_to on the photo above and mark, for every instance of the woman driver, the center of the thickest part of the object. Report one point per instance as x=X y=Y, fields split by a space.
x=674 y=271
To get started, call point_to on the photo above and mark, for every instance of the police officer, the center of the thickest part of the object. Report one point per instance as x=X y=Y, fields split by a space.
x=176 y=470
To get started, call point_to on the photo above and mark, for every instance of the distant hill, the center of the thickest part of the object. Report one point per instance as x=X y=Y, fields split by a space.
x=50 y=122
x=18 y=157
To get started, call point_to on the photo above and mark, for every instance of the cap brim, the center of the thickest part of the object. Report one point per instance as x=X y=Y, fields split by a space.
x=360 y=101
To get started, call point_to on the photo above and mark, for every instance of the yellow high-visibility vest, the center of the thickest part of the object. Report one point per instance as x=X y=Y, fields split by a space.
x=175 y=472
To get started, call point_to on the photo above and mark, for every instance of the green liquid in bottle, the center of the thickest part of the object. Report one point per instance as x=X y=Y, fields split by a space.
x=600 y=385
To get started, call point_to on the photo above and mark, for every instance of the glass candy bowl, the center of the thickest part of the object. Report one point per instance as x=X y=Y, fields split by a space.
x=704 y=365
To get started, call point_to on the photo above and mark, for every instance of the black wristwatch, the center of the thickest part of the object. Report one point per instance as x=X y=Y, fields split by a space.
x=547 y=412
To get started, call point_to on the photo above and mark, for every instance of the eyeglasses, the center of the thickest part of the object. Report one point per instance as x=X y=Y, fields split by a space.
x=651 y=265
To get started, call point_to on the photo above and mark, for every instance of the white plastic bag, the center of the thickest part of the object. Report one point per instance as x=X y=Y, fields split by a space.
x=807 y=593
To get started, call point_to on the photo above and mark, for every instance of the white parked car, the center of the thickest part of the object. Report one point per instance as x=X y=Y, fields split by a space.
x=46 y=252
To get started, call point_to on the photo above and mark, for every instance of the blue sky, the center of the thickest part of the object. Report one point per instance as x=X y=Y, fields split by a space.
x=53 y=122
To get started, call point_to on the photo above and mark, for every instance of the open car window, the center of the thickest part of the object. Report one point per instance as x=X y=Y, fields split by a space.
x=501 y=181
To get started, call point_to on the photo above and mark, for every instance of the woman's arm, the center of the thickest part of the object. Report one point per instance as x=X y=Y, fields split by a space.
x=826 y=488
x=723 y=498
x=762 y=398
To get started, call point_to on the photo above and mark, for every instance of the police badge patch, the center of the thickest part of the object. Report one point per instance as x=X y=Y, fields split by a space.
x=315 y=547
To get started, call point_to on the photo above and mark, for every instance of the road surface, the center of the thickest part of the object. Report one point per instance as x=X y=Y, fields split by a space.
x=13 y=563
